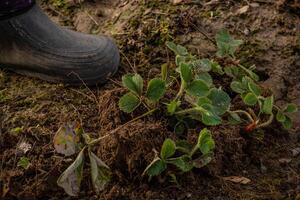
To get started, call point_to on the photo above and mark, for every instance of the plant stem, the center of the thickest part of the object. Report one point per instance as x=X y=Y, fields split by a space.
x=181 y=90
x=193 y=151
x=248 y=71
x=245 y=113
x=267 y=123
x=254 y=116
x=120 y=127
x=145 y=104
x=276 y=107
x=182 y=112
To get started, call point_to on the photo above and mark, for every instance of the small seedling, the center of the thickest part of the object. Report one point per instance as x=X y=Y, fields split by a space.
x=24 y=162
x=17 y=130
x=182 y=155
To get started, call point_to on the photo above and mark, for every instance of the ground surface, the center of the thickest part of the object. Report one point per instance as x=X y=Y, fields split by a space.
x=31 y=110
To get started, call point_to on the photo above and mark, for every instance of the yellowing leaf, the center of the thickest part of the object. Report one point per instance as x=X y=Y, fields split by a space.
x=65 y=140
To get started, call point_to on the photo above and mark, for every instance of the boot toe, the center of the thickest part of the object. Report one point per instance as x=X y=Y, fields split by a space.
x=94 y=67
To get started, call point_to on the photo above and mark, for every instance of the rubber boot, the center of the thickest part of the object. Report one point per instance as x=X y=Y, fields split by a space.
x=31 y=44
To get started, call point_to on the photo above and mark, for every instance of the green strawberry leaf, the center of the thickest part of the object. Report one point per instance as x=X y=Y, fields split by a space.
x=237 y=87
x=220 y=100
x=232 y=71
x=177 y=49
x=205 y=142
x=198 y=88
x=156 y=89
x=268 y=105
x=226 y=44
x=183 y=146
x=203 y=100
x=133 y=82
x=156 y=167
x=287 y=124
x=202 y=160
x=186 y=72
x=179 y=128
x=183 y=163
x=182 y=50
x=254 y=88
x=208 y=116
x=216 y=68
x=291 y=108
x=168 y=149
x=206 y=77
x=234 y=118
x=129 y=102
x=172 y=106
x=280 y=117
x=203 y=65
x=24 y=162
x=250 y=99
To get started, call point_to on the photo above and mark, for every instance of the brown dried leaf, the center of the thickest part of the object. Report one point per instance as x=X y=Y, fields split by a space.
x=237 y=179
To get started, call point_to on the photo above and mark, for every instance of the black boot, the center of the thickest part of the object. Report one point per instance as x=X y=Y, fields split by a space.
x=32 y=45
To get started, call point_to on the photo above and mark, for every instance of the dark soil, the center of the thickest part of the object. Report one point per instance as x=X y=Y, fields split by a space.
x=37 y=109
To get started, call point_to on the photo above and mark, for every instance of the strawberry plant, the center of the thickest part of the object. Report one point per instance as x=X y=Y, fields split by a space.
x=198 y=98
x=183 y=155
x=134 y=83
x=194 y=93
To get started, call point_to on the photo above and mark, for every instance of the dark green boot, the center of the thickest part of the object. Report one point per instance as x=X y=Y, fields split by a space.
x=31 y=44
